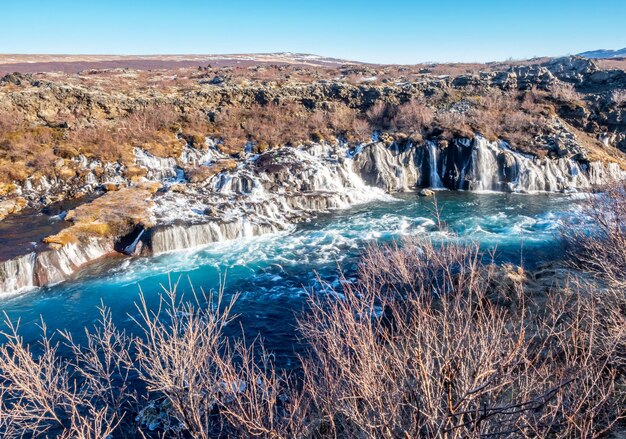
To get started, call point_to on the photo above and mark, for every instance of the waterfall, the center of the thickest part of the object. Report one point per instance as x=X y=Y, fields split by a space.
x=269 y=192
x=16 y=275
x=55 y=266
x=484 y=166
x=433 y=157
x=159 y=168
x=266 y=194
x=172 y=238
x=50 y=266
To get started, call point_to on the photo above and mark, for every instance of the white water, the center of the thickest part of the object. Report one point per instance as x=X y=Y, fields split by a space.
x=49 y=267
x=295 y=185
x=489 y=167
x=249 y=202
x=433 y=156
x=17 y=275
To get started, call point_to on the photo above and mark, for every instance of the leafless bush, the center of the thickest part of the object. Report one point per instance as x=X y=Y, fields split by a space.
x=212 y=386
x=45 y=393
x=602 y=249
x=413 y=116
x=565 y=92
x=419 y=349
x=380 y=115
x=453 y=124
x=362 y=129
x=431 y=340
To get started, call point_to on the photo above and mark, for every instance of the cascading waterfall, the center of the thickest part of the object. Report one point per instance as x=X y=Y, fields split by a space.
x=256 y=199
x=268 y=193
x=158 y=168
x=433 y=156
x=51 y=266
x=485 y=169
x=498 y=168
x=17 y=274
x=479 y=165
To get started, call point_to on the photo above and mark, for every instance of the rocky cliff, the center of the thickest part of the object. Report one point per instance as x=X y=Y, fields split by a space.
x=183 y=188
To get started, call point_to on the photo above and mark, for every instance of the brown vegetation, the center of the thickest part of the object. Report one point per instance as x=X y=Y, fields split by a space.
x=114 y=214
x=160 y=110
x=602 y=250
x=432 y=340
x=425 y=347
x=199 y=174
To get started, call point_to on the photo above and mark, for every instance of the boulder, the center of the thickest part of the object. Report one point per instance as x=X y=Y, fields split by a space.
x=11 y=206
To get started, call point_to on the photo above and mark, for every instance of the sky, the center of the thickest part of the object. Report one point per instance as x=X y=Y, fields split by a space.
x=383 y=31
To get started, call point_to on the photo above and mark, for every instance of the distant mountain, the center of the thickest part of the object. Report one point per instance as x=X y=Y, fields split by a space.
x=604 y=53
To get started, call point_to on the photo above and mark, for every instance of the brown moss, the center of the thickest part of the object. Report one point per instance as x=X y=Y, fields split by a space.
x=199 y=174
x=110 y=187
x=132 y=171
x=60 y=239
x=178 y=187
x=7 y=188
x=66 y=173
x=112 y=215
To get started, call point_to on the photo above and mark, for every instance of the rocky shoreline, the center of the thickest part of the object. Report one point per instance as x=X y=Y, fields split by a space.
x=270 y=192
x=196 y=172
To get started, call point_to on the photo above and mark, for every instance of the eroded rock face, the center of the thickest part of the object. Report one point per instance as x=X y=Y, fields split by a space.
x=201 y=195
x=270 y=192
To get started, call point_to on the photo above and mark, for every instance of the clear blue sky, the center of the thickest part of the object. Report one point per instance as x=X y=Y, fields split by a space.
x=376 y=31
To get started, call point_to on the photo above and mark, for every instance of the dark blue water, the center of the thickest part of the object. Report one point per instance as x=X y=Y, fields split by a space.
x=274 y=274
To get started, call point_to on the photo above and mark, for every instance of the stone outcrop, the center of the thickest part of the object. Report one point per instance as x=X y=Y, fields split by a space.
x=270 y=192
x=200 y=194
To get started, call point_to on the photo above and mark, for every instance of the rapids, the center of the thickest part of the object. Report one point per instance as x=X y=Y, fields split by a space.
x=275 y=272
x=273 y=191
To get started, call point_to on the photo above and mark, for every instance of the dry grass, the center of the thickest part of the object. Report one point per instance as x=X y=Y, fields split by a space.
x=114 y=214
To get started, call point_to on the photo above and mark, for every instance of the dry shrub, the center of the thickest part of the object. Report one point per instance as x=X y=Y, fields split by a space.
x=339 y=119
x=380 y=115
x=453 y=124
x=150 y=119
x=362 y=129
x=413 y=116
x=565 y=93
x=429 y=342
x=101 y=142
x=602 y=250
x=25 y=149
x=278 y=124
x=212 y=386
x=419 y=348
x=518 y=118
x=83 y=396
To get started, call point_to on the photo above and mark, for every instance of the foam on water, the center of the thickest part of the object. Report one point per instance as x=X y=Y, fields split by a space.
x=274 y=273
